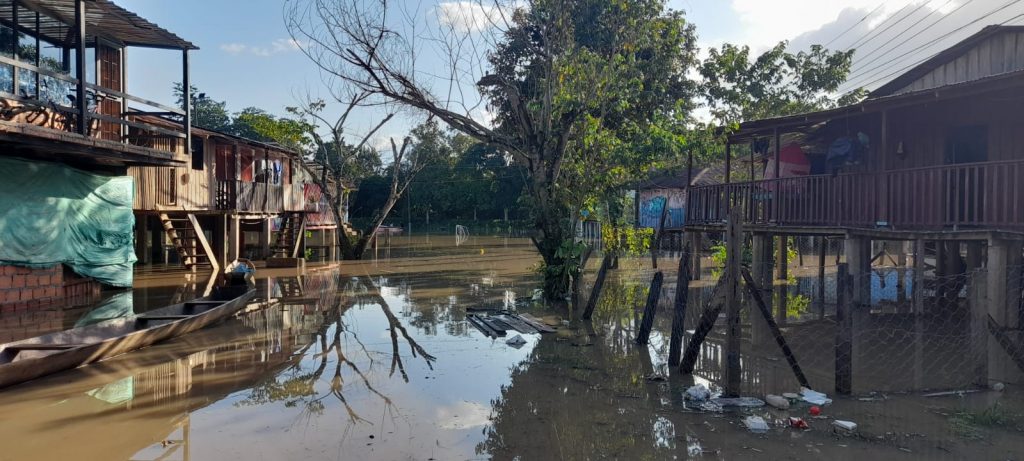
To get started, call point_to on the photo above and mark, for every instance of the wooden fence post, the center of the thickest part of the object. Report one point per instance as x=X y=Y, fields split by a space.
x=656 y=244
x=675 y=344
x=595 y=294
x=704 y=326
x=650 y=310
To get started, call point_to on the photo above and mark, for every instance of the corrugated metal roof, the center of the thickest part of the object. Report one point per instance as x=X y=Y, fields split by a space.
x=941 y=58
x=103 y=18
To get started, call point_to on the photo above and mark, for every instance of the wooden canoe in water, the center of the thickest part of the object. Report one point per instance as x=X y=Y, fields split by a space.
x=32 y=358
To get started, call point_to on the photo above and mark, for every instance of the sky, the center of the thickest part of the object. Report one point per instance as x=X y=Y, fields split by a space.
x=247 y=58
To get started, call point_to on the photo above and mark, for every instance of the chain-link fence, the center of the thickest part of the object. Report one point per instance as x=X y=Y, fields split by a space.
x=914 y=317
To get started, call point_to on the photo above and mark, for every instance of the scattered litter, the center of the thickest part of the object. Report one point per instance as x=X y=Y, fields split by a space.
x=710 y=427
x=565 y=323
x=798 y=423
x=814 y=397
x=756 y=424
x=777 y=401
x=792 y=397
x=710 y=407
x=814 y=411
x=657 y=377
x=846 y=426
x=697 y=393
x=998 y=386
x=538 y=294
x=745 y=402
x=693 y=447
x=516 y=341
x=957 y=393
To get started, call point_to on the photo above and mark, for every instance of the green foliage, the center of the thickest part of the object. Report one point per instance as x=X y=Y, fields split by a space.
x=568 y=255
x=969 y=424
x=207 y=112
x=739 y=87
x=626 y=241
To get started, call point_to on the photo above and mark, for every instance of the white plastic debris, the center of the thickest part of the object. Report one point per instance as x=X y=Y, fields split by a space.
x=756 y=424
x=777 y=401
x=848 y=426
x=814 y=397
x=697 y=393
x=516 y=341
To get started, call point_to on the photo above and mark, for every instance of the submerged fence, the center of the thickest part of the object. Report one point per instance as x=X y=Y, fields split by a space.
x=909 y=323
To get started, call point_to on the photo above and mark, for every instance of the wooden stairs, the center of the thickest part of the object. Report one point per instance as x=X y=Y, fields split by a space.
x=189 y=240
x=349 y=231
x=289 y=237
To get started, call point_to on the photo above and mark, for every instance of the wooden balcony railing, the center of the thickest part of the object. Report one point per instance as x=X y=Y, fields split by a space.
x=47 y=98
x=259 y=197
x=949 y=196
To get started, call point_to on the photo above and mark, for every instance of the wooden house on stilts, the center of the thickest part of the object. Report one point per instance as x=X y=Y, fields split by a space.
x=929 y=169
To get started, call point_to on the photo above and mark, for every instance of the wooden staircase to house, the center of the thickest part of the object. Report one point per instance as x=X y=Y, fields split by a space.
x=291 y=287
x=289 y=237
x=188 y=239
x=349 y=231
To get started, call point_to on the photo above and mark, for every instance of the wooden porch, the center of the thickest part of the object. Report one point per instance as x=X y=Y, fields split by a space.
x=62 y=81
x=984 y=195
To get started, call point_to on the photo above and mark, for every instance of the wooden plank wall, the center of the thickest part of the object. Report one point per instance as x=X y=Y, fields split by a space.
x=925 y=129
x=995 y=55
x=194 y=189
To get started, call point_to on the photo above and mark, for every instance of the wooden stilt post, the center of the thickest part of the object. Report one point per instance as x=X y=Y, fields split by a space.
x=650 y=310
x=822 y=249
x=659 y=232
x=763 y=276
x=675 y=345
x=917 y=307
x=844 y=332
x=696 y=245
x=734 y=329
x=595 y=293
x=782 y=263
x=917 y=291
x=755 y=294
x=977 y=294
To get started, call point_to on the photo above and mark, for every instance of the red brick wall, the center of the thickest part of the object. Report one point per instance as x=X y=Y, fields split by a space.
x=25 y=287
x=21 y=285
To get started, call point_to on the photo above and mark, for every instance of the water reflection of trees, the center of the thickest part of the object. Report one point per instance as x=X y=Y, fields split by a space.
x=586 y=393
x=297 y=386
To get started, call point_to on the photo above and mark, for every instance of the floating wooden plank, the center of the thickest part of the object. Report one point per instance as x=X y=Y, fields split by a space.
x=516 y=323
x=480 y=325
x=536 y=323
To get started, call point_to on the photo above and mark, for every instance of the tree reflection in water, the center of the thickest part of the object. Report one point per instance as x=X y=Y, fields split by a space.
x=297 y=386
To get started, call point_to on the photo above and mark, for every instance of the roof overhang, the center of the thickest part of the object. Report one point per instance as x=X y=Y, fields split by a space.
x=103 y=19
x=792 y=123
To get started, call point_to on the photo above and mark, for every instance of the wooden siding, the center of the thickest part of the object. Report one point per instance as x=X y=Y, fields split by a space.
x=192 y=190
x=995 y=55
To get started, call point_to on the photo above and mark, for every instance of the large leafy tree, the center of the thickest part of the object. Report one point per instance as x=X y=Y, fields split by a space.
x=740 y=87
x=576 y=85
x=207 y=112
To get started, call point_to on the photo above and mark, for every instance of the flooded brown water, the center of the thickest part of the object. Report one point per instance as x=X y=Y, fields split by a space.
x=375 y=360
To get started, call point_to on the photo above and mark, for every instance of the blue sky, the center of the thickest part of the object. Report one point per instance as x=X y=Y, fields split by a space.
x=246 y=59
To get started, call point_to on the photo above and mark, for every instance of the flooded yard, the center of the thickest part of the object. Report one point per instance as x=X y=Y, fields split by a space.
x=375 y=360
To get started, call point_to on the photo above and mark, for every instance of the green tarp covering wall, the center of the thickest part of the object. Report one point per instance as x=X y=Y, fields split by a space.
x=51 y=213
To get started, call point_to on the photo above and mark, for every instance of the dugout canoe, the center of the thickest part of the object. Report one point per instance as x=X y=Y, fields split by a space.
x=28 y=359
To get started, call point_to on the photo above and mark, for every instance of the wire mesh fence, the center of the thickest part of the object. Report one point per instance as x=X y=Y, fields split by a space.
x=912 y=318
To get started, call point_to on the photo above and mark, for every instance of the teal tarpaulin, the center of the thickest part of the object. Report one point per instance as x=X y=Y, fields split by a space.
x=51 y=213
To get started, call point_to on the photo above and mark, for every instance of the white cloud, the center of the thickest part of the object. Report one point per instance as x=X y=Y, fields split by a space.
x=468 y=16
x=233 y=48
x=281 y=45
